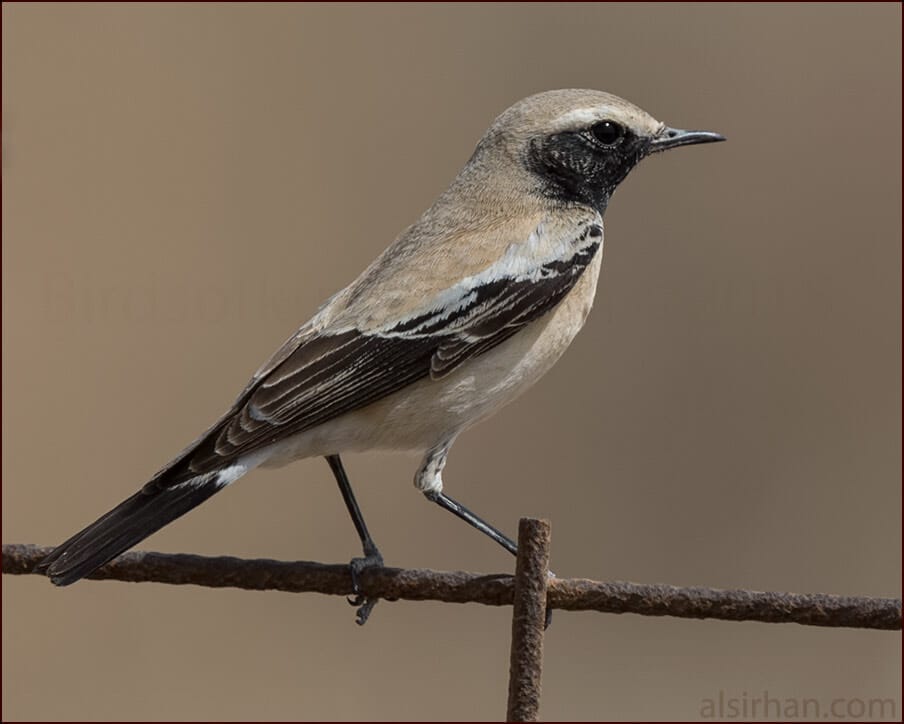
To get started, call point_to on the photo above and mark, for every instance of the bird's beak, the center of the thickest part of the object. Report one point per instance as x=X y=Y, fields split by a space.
x=673 y=137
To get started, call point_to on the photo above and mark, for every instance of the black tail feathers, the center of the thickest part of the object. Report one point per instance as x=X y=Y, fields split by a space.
x=128 y=523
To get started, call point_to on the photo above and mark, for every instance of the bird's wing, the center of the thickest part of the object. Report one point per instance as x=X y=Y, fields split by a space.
x=323 y=373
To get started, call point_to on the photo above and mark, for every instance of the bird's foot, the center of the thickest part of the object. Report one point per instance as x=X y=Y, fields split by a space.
x=365 y=604
x=548 y=621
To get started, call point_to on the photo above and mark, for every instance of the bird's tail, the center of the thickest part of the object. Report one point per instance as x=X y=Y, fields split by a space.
x=128 y=523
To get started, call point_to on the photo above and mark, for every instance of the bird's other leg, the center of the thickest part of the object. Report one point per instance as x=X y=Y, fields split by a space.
x=372 y=557
x=429 y=480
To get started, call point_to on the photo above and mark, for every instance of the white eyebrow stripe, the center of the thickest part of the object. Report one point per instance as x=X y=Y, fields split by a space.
x=582 y=116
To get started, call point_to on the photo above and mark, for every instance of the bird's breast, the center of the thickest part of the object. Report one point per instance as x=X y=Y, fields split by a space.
x=434 y=409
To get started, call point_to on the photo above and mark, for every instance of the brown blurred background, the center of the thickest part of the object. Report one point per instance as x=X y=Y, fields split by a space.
x=184 y=184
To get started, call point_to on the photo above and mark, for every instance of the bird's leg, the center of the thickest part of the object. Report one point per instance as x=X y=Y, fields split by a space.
x=429 y=481
x=445 y=502
x=372 y=557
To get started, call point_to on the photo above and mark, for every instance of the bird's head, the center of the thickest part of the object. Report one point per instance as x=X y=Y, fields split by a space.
x=578 y=145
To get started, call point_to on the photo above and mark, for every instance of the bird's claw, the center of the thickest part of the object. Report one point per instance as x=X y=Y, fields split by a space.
x=356 y=599
x=548 y=621
x=364 y=610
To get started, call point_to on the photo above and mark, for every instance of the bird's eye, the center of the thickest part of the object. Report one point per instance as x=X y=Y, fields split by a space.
x=607 y=132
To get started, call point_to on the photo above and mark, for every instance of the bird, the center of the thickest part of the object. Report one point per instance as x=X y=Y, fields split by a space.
x=462 y=313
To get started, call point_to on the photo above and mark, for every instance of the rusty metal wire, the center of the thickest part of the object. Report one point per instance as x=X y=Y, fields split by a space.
x=528 y=621
x=816 y=609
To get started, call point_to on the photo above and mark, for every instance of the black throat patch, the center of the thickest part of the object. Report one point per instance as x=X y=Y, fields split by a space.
x=572 y=169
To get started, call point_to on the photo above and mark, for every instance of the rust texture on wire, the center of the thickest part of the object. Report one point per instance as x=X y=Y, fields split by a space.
x=528 y=621
x=815 y=609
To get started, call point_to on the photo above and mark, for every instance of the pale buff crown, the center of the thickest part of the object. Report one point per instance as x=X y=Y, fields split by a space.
x=568 y=109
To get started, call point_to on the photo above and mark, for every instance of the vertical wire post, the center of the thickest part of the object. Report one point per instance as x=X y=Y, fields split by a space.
x=528 y=620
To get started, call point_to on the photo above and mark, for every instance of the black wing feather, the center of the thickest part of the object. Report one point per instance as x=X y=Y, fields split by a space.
x=331 y=375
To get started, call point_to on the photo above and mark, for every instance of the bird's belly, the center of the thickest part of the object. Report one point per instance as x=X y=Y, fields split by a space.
x=431 y=411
